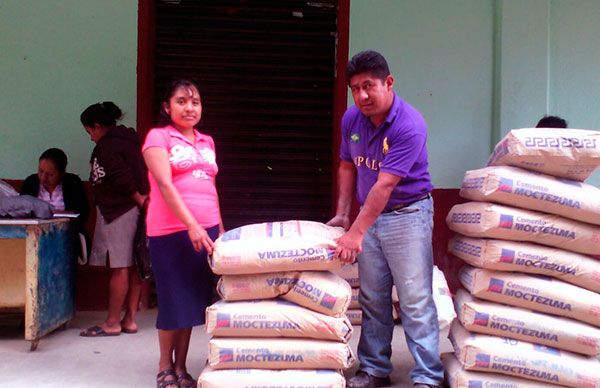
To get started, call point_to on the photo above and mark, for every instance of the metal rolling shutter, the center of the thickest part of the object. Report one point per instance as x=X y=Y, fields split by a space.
x=266 y=74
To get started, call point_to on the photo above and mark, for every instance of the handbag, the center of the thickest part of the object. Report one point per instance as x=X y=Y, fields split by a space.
x=141 y=253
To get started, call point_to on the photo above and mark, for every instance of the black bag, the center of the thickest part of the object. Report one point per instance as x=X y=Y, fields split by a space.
x=141 y=253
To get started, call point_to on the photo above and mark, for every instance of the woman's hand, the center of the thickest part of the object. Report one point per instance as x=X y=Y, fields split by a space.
x=200 y=238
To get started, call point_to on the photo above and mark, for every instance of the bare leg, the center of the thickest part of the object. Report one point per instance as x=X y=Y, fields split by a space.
x=117 y=291
x=133 y=299
x=166 y=342
x=182 y=344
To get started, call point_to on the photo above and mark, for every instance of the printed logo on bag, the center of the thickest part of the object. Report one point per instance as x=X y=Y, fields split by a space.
x=505 y=185
x=328 y=301
x=225 y=355
x=496 y=285
x=475 y=384
x=507 y=256
x=481 y=319
x=506 y=221
x=223 y=320
x=546 y=349
x=482 y=360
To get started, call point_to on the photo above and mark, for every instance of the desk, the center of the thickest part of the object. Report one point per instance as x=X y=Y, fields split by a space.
x=37 y=273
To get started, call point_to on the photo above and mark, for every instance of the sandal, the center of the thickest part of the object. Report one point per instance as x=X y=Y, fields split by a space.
x=97 y=331
x=186 y=381
x=162 y=382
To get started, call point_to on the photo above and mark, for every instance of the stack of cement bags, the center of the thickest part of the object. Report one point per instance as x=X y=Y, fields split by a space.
x=350 y=274
x=282 y=318
x=532 y=309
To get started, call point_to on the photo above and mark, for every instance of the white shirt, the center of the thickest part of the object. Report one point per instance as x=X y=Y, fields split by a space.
x=55 y=199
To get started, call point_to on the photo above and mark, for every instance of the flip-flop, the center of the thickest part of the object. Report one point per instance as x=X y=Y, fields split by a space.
x=128 y=331
x=97 y=331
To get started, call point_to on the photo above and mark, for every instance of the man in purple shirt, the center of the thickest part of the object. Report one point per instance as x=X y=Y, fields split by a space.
x=383 y=160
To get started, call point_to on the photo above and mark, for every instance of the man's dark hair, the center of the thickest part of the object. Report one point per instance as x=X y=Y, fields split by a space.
x=368 y=61
x=551 y=122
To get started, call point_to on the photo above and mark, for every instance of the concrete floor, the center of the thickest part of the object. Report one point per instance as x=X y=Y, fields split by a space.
x=64 y=359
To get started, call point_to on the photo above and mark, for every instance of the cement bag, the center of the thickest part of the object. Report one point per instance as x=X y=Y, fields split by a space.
x=354 y=303
x=269 y=353
x=349 y=273
x=441 y=297
x=514 y=322
x=457 y=377
x=533 y=292
x=484 y=219
x=276 y=246
x=529 y=190
x=354 y=316
x=323 y=291
x=567 y=153
x=481 y=352
x=504 y=255
x=264 y=378
x=273 y=318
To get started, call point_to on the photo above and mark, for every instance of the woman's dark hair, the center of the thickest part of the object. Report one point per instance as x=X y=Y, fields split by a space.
x=104 y=113
x=368 y=61
x=163 y=118
x=57 y=156
x=551 y=122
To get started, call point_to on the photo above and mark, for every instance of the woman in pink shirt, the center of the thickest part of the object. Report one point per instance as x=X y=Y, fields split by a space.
x=183 y=220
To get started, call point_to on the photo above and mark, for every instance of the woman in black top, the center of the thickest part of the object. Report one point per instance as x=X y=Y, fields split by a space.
x=120 y=187
x=54 y=185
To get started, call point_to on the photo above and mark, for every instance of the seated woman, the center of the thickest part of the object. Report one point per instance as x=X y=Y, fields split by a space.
x=54 y=185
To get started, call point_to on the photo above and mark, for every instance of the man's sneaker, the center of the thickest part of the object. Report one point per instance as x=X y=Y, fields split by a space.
x=365 y=380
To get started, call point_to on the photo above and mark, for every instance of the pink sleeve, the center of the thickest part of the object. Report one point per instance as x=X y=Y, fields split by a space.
x=212 y=143
x=157 y=137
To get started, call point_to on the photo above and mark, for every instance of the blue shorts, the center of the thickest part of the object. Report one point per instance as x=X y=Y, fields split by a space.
x=184 y=280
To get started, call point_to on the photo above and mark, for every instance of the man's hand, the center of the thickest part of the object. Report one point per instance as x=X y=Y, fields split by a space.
x=343 y=221
x=349 y=246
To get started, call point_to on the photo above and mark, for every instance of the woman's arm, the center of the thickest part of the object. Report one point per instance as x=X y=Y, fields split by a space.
x=157 y=160
x=76 y=197
x=31 y=186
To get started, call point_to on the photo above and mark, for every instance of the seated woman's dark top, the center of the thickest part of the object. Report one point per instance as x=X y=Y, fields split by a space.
x=73 y=193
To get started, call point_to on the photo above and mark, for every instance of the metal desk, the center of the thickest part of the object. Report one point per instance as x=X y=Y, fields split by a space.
x=37 y=273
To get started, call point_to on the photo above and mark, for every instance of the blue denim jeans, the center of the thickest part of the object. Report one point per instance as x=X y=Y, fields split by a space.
x=397 y=250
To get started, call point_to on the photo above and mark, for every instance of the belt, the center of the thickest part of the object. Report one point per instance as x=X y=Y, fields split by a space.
x=403 y=205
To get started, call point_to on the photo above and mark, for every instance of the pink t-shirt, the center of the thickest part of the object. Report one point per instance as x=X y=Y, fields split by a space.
x=193 y=169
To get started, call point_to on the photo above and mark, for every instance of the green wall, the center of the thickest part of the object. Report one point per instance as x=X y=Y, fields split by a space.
x=474 y=68
x=478 y=68
x=58 y=57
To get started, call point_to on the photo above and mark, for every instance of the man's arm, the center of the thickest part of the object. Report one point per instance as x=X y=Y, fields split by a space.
x=346 y=187
x=350 y=244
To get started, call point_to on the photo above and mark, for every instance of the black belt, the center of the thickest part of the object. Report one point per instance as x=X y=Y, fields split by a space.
x=403 y=205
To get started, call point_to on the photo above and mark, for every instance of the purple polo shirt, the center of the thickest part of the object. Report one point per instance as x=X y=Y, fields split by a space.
x=398 y=146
